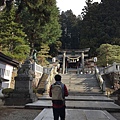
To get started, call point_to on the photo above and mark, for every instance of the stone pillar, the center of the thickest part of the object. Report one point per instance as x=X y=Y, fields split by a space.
x=114 y=67
x=82 y=59
x=103 y=86
x=66 y=68
x=63 y=70
x=47 y=85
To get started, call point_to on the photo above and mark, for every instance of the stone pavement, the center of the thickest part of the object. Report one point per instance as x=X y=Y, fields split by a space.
x=85 y=100
x=77 y=114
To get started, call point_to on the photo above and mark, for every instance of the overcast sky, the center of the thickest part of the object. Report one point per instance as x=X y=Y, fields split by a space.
x=75 y=5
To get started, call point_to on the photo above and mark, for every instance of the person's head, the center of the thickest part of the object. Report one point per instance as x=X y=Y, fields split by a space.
x=57 y=77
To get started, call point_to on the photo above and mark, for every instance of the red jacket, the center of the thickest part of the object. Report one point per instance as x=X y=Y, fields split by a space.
x=58 y=103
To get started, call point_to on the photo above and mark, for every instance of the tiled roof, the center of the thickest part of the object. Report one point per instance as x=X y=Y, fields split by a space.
x=8 y=60
x=2 y=79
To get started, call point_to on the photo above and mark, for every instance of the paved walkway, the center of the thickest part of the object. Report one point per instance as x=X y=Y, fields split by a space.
x=85 y=100
x=77 y=114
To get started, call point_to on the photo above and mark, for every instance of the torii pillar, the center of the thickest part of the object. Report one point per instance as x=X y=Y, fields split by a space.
x=63 y=69
x=82 y=59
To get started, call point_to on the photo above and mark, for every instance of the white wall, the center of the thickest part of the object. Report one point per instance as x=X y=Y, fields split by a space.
x=113 y=68
x=6 y=73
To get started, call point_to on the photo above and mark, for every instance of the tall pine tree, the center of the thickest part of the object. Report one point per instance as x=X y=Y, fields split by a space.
x=12 y=36
x=70 y=33
x=41 y=21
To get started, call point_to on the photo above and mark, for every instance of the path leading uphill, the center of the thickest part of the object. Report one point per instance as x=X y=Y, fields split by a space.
x=85 y=100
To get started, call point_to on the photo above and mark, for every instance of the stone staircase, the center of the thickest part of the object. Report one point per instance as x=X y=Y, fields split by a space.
x=41 y=84
x=85 y=84
x=84 y=97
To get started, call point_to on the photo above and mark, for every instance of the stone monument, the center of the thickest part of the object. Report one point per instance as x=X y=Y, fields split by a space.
x=23 y=92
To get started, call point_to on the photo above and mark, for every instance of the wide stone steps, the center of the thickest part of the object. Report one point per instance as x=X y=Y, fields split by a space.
x=78 y=108
x=79 y=102
x=81 y=84
x=81 y=98
x=85 y=100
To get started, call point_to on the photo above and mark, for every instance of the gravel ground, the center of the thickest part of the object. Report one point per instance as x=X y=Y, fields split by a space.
x=18 y=114
x=28 y=114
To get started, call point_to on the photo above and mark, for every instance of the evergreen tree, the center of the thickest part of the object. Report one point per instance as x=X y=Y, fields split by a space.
x=43 y=54
x=2 y=4
x=12 y=36
x=70 y=33
x=41 y=21
x=107 y=54
x=90 y=27
x=100 y=24
x=54 y=48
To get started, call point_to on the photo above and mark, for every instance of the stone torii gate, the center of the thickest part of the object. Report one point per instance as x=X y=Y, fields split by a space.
x=73 y=56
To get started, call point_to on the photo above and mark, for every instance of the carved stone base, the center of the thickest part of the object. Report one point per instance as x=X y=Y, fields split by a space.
x=20 y=98
x=23 y=92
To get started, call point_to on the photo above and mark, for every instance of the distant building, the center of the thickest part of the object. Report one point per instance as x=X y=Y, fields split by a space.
x=7 y=68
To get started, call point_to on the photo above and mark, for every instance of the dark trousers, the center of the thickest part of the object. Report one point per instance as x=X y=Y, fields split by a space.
x=59 y=112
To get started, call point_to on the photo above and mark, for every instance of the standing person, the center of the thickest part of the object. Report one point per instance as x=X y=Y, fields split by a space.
x=58 y=92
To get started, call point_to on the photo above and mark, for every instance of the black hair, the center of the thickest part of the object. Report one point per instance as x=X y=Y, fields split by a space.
x=57 y=77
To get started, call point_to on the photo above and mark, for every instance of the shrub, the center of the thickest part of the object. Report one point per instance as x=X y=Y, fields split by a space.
x=40 y=90
x=34 y=90
x=7 y=91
